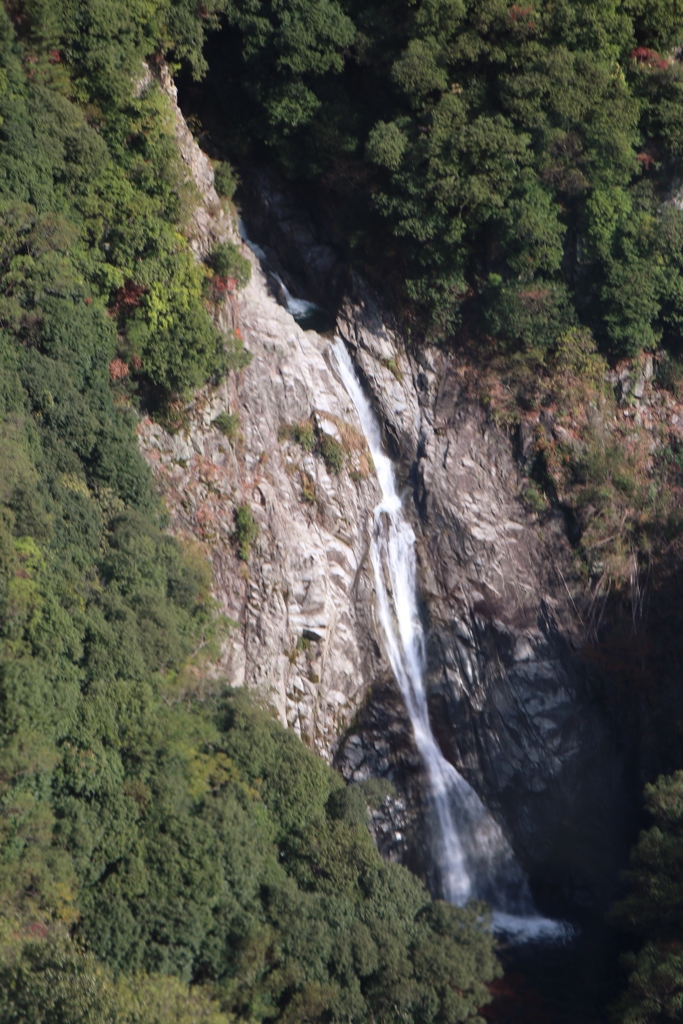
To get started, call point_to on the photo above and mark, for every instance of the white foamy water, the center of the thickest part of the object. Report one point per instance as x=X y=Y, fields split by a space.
x=256 y=249
x=474 y=859
x=300 y=309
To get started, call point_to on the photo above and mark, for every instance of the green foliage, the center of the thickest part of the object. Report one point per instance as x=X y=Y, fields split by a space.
x=228 y=261
x=226 y=180
x=246 y=531
x=653 y=910
x=229 y=424
x=376 y=791
x=332 y=452
x=286 y=905
x=304 y=434
x=535 y=316
x=471 y=143
x=54 y=982
x=534 y=498
x=301 y=42
x=92 y=207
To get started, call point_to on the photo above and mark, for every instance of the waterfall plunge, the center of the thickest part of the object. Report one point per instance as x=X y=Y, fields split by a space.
x=473 y=857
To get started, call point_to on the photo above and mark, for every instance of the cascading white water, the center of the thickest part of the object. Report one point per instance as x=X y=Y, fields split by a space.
x=473 y=857
x=301 y=309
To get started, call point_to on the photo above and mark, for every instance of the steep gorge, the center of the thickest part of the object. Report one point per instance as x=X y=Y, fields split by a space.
x=512 y=701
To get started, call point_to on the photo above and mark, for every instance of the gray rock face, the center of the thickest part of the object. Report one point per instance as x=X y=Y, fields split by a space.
x=509 y=696
x=510 y=699
x=302 y=604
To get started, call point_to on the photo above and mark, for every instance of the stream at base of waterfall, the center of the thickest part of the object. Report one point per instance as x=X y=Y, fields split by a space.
x=473 y=858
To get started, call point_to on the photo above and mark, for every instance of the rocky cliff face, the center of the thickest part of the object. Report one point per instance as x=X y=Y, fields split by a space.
x=512 y=700
x=302 y=603
x=509 y=695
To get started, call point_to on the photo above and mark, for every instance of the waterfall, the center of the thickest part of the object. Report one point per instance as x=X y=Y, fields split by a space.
x=473 y=858
x=307 y=314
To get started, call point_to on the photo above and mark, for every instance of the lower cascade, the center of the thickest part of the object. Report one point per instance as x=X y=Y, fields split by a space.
x=472 y=856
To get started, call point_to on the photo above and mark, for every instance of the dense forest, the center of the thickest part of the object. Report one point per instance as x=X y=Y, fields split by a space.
x=510 y=167
x=508 y=176
x=169 y=854
x=156 y=833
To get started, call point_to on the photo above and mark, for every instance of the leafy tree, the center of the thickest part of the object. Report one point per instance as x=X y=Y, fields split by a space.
x=464 y=140
x=653 y=909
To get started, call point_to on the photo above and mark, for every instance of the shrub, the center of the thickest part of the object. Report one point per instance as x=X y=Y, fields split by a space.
x=227 y=261
x=535 y=315
x=652 y=909
x=333 y=453
x=229 y=424
x=308 y=489
x=226 y=180
x=246 y=531
x=534 y=498
x=304 y=435
x=237 y=357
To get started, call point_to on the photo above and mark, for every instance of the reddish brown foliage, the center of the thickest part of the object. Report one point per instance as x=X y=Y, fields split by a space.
x=515 y=1002
x=649 y=58
x=222 y=288
x=55 y=57
x=127 y=298
x=37 y=930
x=645 y=160
x=223 y=284
x=516 y=13
x=534 y=294
x=117 y=369
x=136 y=363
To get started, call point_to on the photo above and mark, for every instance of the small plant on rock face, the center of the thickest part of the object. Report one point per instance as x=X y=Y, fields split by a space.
x=246 y=531
x=308 y=489
x=304 y=435
x=534 y=498
x=332 y=452
x=227 y=261
x=229 y=424
x=226 y=180
x=393 y=367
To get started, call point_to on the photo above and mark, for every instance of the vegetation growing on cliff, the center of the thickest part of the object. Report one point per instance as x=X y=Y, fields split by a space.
x=155 y=832
x=509 y=175
x=521 y=157
x=653 y=910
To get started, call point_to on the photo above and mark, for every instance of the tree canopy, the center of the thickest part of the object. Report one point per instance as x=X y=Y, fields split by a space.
x=486 y=156
x=168 y=853
x=653 y=910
